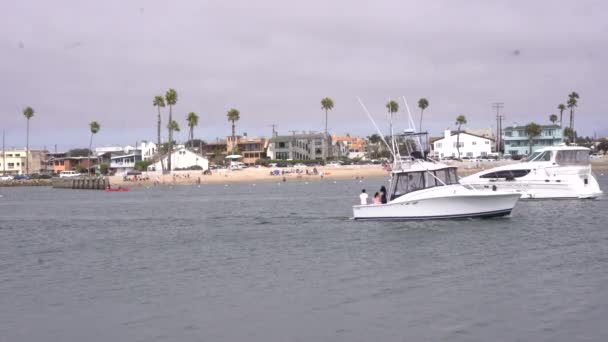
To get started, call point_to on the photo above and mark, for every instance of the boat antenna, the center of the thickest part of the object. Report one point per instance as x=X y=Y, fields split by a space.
x=376 y=126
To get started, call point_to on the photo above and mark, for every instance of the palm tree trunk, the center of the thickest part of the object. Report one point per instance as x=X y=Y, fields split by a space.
x=420 y=127
x=170 y=147
x=89 y=159
x=458 y=141
x=561 y=114
x=27 y=148
x=326 y=121
x=159 y=142
x=233 y=142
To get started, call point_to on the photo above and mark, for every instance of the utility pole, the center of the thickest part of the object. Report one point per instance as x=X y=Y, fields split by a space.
x=3 y=156
x=274 y=132
x=498 y=106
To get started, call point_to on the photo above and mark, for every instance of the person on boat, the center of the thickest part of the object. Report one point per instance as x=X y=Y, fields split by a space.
x=383 y=195
x=363 y=197
x=377 y=199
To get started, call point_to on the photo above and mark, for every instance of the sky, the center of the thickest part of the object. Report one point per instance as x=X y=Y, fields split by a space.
x=79 y=61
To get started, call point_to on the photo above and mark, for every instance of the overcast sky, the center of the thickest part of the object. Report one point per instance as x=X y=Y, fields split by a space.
x=78 y=61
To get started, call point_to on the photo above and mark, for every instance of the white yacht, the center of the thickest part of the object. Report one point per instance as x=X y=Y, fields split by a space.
x=551 y=172
x=422 y=190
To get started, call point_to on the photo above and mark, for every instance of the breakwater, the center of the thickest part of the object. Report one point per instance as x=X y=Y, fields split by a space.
x=84 y=183
x=26 y=182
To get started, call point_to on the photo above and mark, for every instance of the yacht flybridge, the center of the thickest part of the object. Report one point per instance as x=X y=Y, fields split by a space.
x=551 y=172
x=421 y=189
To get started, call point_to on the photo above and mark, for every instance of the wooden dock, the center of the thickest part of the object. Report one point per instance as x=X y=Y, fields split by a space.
x=83 y=183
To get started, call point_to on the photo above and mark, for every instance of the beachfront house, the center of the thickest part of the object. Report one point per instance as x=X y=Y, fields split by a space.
x=471 y=145
x=517 y=141
x=13 y=162
x=349 y=147
x=182 y=159
x=252 y=149
x=312 y=146
x=123 y=162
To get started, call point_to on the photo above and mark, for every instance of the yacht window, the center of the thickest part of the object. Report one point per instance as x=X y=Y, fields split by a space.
x=540 y=156
x=572 y=157
x=407 y=182
x=448 y=176
x=507 y=174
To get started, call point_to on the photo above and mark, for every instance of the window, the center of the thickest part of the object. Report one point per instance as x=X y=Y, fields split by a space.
x=474 y=142
x=540 y=156
x=572 y=157
x=447 y=176
x=460 y=144
x=438 y=145
x=487 y=142
x=508 y=134
x=281 y=144
x=507 y=174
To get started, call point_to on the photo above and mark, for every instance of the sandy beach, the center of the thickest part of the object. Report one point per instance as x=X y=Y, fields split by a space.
x=262 y=174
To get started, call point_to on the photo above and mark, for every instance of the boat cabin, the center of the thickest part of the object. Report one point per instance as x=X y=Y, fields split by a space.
x=404 y=182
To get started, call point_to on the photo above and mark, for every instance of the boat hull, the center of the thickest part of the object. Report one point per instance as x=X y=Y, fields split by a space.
x=474 y=205
x=564 y=188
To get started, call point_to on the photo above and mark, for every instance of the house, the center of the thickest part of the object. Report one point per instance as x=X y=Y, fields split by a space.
x=312 y=146
x=517 y=142
x=252 y=149
x=123 y=162
x=349 y=147
x=182 y=159
x=70 y=163
x=471 y=145
x=14 y=161
x=148 y=150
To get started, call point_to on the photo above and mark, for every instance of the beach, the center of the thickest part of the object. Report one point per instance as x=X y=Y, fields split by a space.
x=263 y=174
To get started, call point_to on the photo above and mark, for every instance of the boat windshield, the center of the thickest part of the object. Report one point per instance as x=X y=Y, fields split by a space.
x=540 y=156
x=572 y=157
x=407 y=182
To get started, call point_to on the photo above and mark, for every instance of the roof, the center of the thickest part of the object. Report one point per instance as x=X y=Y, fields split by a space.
x=298 y=136
x=524 y=127
x=463 y=132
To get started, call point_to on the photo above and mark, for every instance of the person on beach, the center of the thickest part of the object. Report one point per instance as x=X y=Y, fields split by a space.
x=383 y=194
x=377 y=199
x=363 y=197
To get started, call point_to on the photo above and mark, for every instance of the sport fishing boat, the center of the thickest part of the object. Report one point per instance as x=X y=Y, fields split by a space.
x=551 y=172
x=421 y=189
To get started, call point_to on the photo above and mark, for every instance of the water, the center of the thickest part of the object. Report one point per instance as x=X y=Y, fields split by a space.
x=283 y=262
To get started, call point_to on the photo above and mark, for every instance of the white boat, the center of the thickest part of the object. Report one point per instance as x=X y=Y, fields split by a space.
x=551 y=172
x=422 y=190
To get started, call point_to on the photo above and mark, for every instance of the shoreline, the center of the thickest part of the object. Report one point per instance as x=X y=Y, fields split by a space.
x=253 y=175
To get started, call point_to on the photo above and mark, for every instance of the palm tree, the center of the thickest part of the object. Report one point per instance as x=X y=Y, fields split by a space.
x=568 y=135
x=328 y=104
x=553 y=118
x=233 y=116
x=572 y=102
x=171 y=98
x=192 y=122
x=374 y=138
x=94 y=126
x=173 y=126
x=28 y=112
x=460 y=120
x=532 y=130
x=159 y=101
x=422 y=104
x=392 y=107
x=561 y=108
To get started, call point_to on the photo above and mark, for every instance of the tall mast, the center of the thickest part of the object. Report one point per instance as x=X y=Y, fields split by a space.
x=3 y=155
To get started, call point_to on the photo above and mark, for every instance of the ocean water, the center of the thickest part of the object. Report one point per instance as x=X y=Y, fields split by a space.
x=283 y=262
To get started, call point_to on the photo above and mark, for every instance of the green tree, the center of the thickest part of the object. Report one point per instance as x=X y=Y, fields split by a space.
x=422 y=104
x=28 y=112
x=392 y=107
x=532 y=131
x=327 y=104
x=159 y=101
x=192 y=119
x=171 y=99
x=561 y=108
x=142 y=165
x=94 y=127
x=374 y=138
x=553 y=118
x=104 y=169
x=568 y=135
x=173 y=126
x=571 y=104
x=233 y=116
x=460 y=120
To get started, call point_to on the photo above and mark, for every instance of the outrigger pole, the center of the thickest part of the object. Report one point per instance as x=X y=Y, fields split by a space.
x=377 y=129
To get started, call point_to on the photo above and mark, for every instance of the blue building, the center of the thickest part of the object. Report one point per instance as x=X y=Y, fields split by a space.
x=517 y=143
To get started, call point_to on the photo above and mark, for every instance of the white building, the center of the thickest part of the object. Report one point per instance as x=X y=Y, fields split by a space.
x=471 y=145
x=148 y=150
x=181 y=158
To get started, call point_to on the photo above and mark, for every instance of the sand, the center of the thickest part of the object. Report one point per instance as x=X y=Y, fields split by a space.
x=262 y=174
